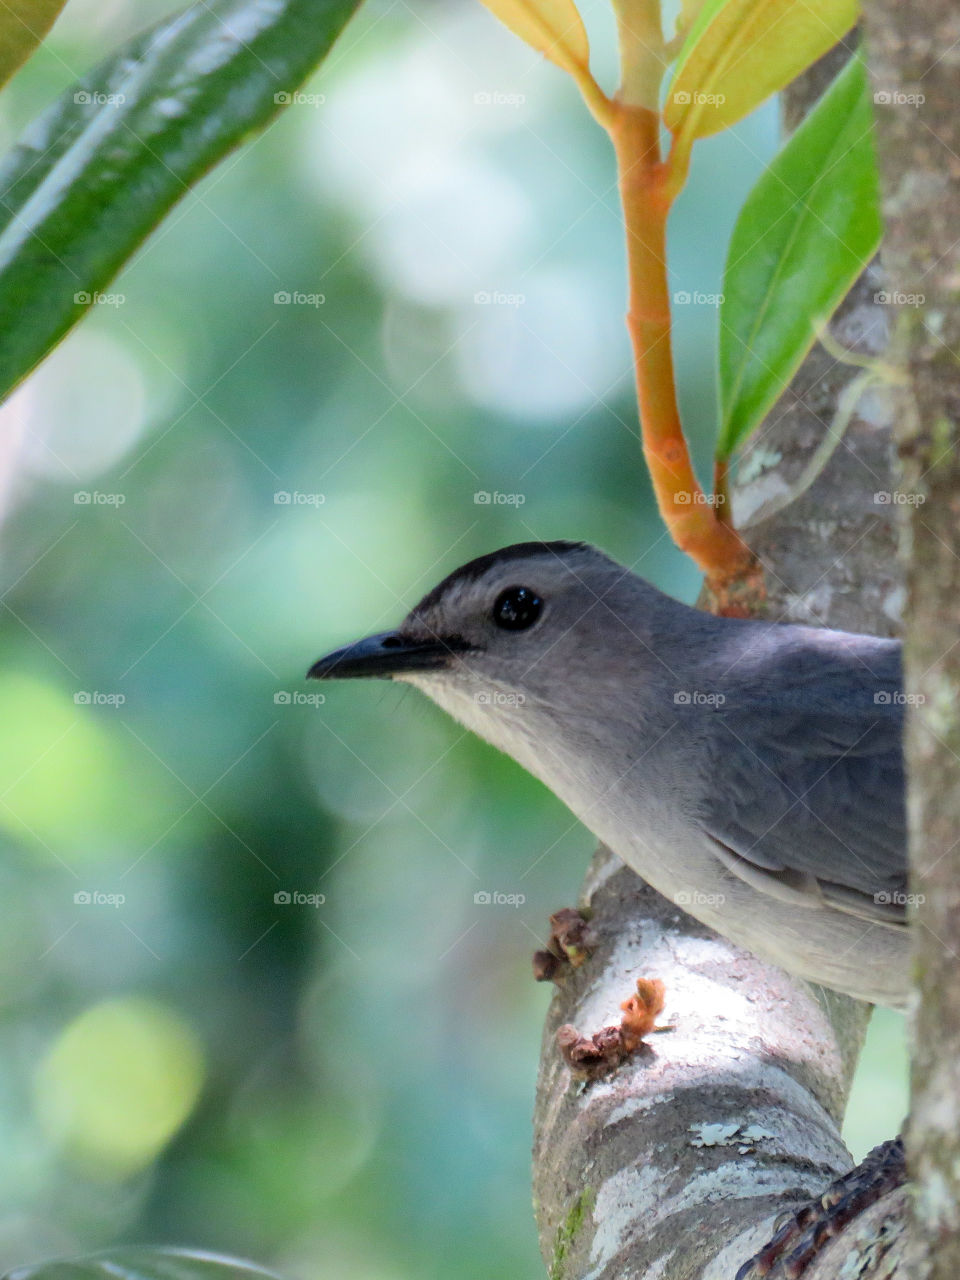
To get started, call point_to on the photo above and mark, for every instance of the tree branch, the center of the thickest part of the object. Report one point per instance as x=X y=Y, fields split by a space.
x=914 y=61
x=697 y=1141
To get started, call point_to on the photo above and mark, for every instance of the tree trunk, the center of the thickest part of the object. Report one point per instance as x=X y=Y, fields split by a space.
x=915 y=59
x=675 y=1165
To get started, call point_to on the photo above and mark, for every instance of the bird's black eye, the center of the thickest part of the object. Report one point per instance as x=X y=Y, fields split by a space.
x=517 y=608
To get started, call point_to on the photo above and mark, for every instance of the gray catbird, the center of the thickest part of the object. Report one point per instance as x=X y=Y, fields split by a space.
x=750 y=771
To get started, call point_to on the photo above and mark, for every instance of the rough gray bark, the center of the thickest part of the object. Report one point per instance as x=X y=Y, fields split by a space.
x=829 y=557
x=677 y=1163
x=675 y=1166
x=915 y=59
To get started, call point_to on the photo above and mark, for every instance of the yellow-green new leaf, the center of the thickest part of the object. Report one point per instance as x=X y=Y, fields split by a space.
x=689 y=12
x=23 y=24
x=741 y=51
x=552 y=27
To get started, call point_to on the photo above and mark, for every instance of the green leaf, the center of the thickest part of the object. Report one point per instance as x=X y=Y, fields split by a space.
x=94 y=174
x=741 y=51
x=23 y=24
x=805 y=233
x=138 y=1263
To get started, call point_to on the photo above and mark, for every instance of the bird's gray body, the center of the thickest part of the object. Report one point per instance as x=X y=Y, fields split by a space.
x=752 y=772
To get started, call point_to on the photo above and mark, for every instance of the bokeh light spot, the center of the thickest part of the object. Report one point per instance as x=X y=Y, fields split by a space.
x=119 y=1082
x=77 y=423
x=66 y=782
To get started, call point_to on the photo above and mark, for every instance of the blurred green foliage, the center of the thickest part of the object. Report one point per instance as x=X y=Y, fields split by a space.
x=103 y=165
x=340 y=1086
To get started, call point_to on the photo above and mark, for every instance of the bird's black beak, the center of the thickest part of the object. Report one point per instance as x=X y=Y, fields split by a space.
x=386 y=655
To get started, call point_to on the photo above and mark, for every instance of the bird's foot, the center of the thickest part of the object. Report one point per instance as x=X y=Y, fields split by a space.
x=802 y=1234
x=568 y=945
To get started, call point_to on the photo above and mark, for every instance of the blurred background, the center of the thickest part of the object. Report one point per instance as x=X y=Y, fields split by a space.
x=250 y=1000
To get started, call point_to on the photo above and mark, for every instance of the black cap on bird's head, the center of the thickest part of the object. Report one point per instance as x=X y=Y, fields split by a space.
x=501 y=592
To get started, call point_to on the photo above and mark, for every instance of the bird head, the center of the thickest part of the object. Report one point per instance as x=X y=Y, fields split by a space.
x=522 y=645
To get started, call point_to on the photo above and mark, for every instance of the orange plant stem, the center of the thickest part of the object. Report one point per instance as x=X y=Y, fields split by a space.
x=646 y=190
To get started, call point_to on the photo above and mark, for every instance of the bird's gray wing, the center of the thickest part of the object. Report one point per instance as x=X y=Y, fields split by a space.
x=802 y=790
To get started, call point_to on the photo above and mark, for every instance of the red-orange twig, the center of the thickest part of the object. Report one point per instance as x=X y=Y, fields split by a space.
x=647 y=188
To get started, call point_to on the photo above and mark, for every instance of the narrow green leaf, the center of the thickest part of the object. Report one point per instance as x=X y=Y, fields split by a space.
x=94 y=174
x=739 y=52
x=23 y=24
x=138 y=1263
x=805 y=233
x=49 y=137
